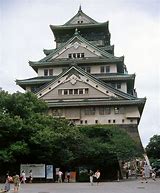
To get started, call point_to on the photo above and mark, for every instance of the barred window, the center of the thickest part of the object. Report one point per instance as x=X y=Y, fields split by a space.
x=104 y=110
x=104 y=69
x=90 y=111
x=50 y=72
x=80 y=91
x=45 y=72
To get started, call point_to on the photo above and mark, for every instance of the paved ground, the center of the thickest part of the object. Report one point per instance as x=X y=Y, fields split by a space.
x=134 y=186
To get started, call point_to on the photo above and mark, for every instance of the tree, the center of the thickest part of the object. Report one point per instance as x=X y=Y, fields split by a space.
x=153 y=147
x=110 y=142
x=15 y=111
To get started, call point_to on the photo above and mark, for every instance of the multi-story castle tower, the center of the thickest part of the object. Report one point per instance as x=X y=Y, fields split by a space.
x=82 y=80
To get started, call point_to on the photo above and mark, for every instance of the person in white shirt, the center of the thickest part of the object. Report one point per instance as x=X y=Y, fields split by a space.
x=60 y=176
x=97 y=175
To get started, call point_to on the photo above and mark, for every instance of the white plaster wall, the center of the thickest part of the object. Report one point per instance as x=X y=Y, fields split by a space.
x=123 y=87
x=132 y=112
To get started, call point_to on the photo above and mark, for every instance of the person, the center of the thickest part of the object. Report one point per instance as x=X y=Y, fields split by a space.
x=68 y=176
x=91 y=174
x=127 y=173
x=97 y=175
x=7 y=183
x=153 y=175
x=30 y=176
x=143 y=176
x=60 y=173
x=23 y=177
x=16 y=182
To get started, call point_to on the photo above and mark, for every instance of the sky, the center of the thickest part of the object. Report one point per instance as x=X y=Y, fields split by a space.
x=135 y=31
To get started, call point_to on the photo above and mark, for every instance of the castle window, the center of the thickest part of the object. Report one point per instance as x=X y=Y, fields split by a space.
x=71 y=91
x=102 y=69
x=96 y=121
x=78 y=55
x=65 y=92
x=122 y=120
x=80 y=91
x=114 y=120
x=107 y=68
x=81 y=122
x=82 y=55
x=74 y=55
x=85 y=121
x=86 y=90
x=104 y=110
x=109 y=121
x=75 y=91
x=81 y=21
x=50 y=72
x=45 y=72
x=90 y=111
x=118 y=85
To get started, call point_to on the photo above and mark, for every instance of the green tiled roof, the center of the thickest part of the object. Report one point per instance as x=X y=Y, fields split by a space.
x=48 y=51
x=79 y=26
x=39 y=79
x=93 y=102
x=112 y=76
x=35 y=80
x=63 y=62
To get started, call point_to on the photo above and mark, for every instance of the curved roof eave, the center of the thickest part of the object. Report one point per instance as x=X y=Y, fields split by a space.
x=62 y=27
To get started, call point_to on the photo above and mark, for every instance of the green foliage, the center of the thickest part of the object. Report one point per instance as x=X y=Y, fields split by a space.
x=15 y=111
x=153 y=148
x=110 y=143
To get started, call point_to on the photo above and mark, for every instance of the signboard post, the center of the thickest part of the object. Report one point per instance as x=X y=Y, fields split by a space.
x=49 y=172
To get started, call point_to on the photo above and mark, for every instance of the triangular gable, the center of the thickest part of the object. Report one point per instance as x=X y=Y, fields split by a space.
x=74 y=43
x=80 y=18
x=75 y=74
